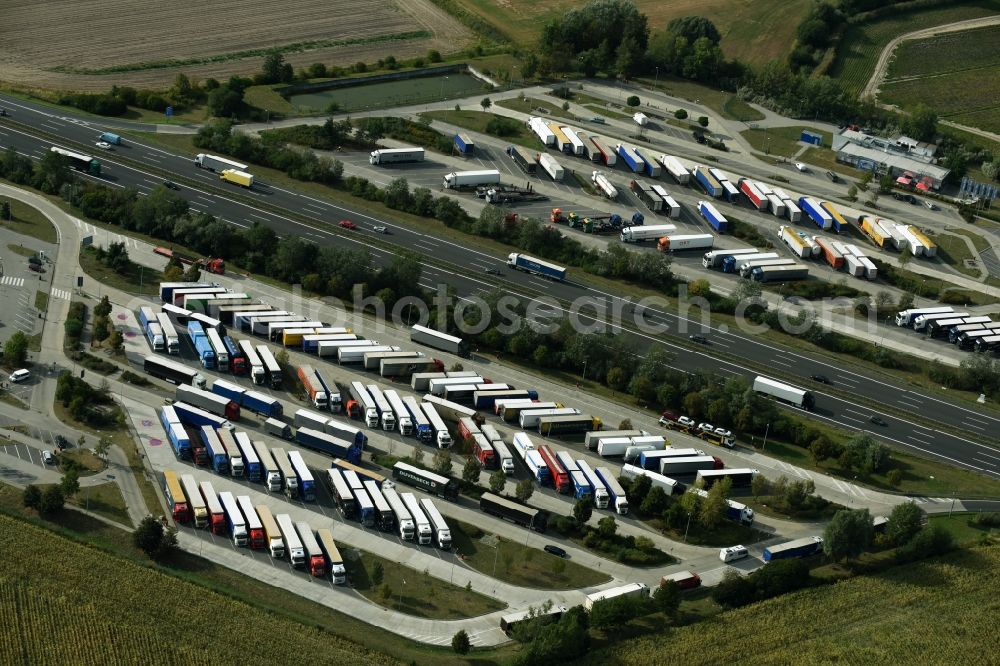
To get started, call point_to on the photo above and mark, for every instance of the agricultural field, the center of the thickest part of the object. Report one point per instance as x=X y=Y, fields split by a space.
x=90 y=607
x=861 y=46
x=58 y=44
x=956 y=74
x=935 y=612
x=751 y=31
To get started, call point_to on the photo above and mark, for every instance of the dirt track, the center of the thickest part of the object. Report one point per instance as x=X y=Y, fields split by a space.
x=872 y=87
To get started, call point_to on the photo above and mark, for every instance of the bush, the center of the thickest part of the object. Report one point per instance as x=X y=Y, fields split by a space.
x=680 y=114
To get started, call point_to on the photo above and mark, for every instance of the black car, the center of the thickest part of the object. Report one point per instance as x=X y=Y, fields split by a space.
x=878 y=420
x=493 y=271
x=62 y=442
x=555 y=550
x=700 y=339
x=171 y=185
x=832 y=176
x=822 y=379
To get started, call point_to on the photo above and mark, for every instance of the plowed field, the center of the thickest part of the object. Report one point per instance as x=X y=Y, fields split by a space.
x=93 y=44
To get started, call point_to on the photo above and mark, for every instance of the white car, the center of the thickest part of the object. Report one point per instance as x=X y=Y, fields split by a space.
x=103 y=145
x=19 y=376
x=381 y=229
x=801 y=167
x=930 y=205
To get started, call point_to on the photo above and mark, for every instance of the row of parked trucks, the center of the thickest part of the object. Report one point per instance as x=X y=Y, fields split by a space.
x=253 y=527
x=887 y=235
x=970 y=332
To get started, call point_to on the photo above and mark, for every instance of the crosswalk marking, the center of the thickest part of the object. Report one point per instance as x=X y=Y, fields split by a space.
x=10 y=281
x=61 y=293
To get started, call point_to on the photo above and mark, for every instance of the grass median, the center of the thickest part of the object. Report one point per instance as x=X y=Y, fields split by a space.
x=517 y=564
x=406 y=590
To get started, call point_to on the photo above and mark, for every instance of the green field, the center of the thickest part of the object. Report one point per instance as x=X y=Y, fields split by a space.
x=83 y=606
x=751 y=31
x=970 y=96
x=780 y=140
x=860 y=48
x=950 y=52
x=937 y=612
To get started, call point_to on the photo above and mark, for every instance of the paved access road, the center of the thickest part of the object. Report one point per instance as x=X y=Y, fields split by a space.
x=464 y=268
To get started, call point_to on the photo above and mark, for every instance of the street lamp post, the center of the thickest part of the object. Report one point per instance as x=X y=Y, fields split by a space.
x=656 y=81
x=687 y=528
x=766 y=430
x=584 y=375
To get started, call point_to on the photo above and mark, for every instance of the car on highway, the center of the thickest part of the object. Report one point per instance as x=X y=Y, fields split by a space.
x=347 y=224
x=554 y=550
x=171 y=185
x=48 y=457
x=822 y=379
x=878 y=420
x=699 y=338
x=832 y=176
x=930 y=205
x=801 y=167
x=380 y=229
x=494 y=271
x=103 y=145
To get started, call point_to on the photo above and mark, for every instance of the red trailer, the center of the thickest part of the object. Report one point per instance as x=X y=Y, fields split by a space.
x=467 y=428
x=484 y=451
x=686 y=580
x=755 y=196
x=833 y=256
x=558 y=473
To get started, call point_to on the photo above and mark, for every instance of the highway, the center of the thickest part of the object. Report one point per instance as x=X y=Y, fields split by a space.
x=144 y=167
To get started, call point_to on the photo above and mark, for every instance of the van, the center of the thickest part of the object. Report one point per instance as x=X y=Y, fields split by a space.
x=733 y=553
x=19 y=376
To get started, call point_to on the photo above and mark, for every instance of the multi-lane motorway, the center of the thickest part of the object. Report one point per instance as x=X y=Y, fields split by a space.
x=32 y=129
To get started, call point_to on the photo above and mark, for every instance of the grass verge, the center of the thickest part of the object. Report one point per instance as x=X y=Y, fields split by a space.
x=478 y=120
x=29 y=221
x=138 y=279
x=21 y=250
x=412 y=592
x=517 y=564
x=964 y=529
x=536 y=107
x=85 y=459
x=41 y=301
x=105 y=500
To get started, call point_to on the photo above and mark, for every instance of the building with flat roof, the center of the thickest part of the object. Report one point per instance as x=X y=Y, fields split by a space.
x=901 y=157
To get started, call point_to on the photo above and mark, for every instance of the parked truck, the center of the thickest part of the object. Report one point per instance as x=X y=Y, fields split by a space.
x=521 y=514
x=602 y=183
x=803 y=547
x=820 y=217
x=334 y=561
x=713 y=216
x=438 y=340
x=646 y=195
x=679 y=242
x=464 y=145
x=216 y=451
x=602 y=147
x=677 y=170
x=551 y=167
x=528 y=264
x=671 y=208
x=753 y=194
x=779 y=273
x=384 y=156
x=470 y=179
x=326 y=443
x=313 y=387
x=650 y=232
x=707 y=181
x=651 y=166
x=208 y=401
x=631 y=158
x=616 y=494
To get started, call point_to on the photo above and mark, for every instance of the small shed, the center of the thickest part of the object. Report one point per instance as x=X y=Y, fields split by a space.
x=814 y=138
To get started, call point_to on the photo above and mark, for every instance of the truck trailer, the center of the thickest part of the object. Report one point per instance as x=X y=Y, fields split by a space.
x=521 y=514
x=716 y=219
x=384 y=156
x=528 y=264
x=468 y=179
x=438 y=340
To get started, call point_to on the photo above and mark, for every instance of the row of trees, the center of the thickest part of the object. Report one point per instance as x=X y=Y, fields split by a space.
x=93 y=406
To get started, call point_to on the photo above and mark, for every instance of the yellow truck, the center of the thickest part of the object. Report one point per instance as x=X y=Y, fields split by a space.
x=241 y=178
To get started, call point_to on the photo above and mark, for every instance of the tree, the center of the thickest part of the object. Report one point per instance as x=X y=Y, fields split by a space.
x=703 y=121
x=583 y=510
x=733 y=591
x=921 y=124
x=192 y=273
x=485 y=103
x=378 y=574
x=148 y=536
x=470 y=472
x=655 y=502
x=102 y=447
x=418 y=456
x=15 y=350
x=680 y=114
x=633 y=100
x=894 y=477
x=52 y=500
x=713 y=510
x=607 y=527
x=32 y=497
x=625 y=424
x=460 y=642
x=524 y=490
x=848 y=534
x=668 y=598
x=852 y=193
x=498 y=480
x=5 y=211
x=442 y=462
x=904 y=522
x=273 y=69
x=760 y=485
x=116 y=341
x=70 y=483
x=614 y=613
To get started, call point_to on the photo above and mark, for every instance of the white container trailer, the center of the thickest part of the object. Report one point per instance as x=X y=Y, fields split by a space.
x=782 y=391
x=574 y=139
x=442 y=533
x=459 y=179
x=356 y=353
x=386 y=414
x=403 y=420
x=551 y=166
x=678 y=171
x=668 y=485
x=404 y=521
x=613 y=446
x=602 y=183
x=640 y=118
x=646 y=232
x=293 y=544
x=396 y=155
x=529 y=418
x=747 y=268
x=542 y=130
x=776 y=204
x=423 y=525
x=170 y=337
x=600 y=492
x=234 y=519
x=441 y=435
x=637 y=590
